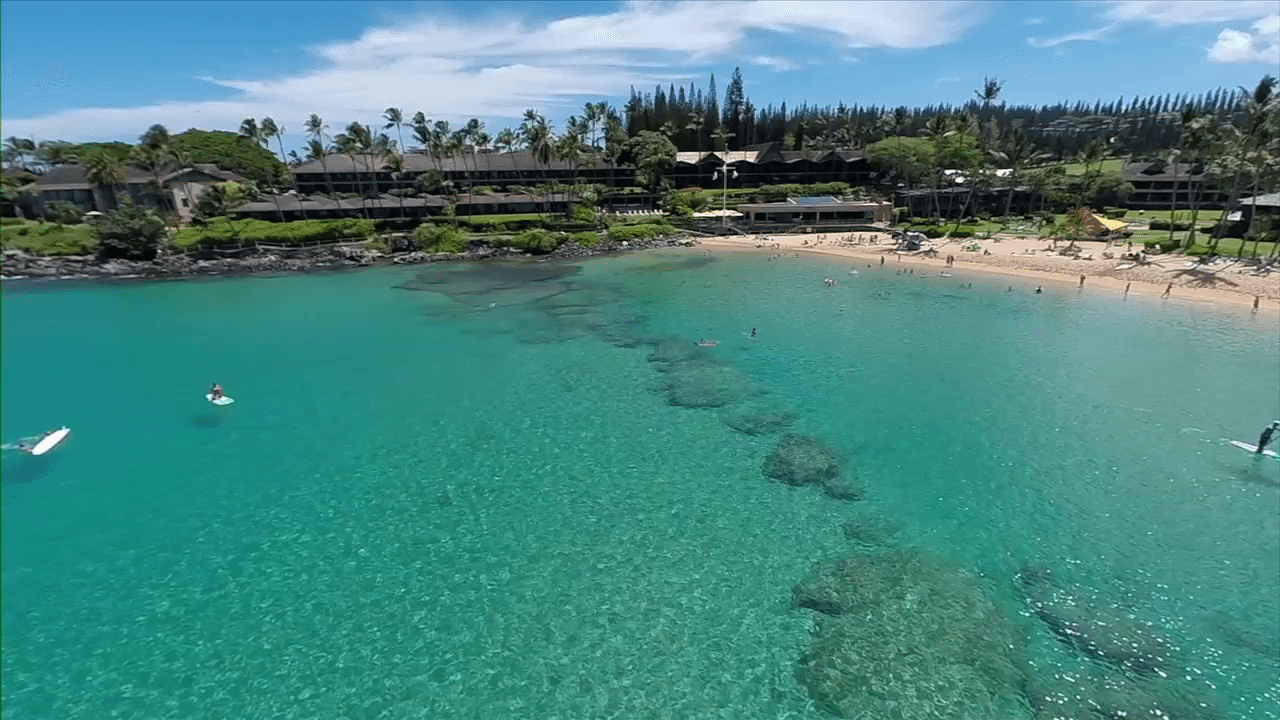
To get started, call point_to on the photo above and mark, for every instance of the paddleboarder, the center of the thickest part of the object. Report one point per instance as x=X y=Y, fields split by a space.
x=215 y=392
x=1267 y=433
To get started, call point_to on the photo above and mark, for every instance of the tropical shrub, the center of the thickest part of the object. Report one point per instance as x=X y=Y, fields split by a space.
x=538 y=241
x=64 y=213
x=440 y=238
x=633 y=233
x=130 y=232
x=586 y=239
x=961 y=233
x=933 y=232
x=223 y=232
x=51 y=239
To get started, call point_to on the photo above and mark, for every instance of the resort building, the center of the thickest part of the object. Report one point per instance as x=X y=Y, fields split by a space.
x=1158 y=185
x=365 y=173
x=769 y=164
x=1253 y=208
x=317 y=207
x=952 y=200
x=760 y=165
x=816 y=212
x=174 y=190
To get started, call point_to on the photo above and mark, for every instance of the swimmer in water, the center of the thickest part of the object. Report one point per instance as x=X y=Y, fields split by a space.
x=753 y=332
x=1039 y=290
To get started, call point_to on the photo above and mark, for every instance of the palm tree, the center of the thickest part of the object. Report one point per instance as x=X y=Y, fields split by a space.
x=17 y=150
x=348 y=143
x=1094 y=152
x=1019 y=152
x=538 y=137
x=106 y=173
x=1197 y=130
x=938 y=129
x=395 y=119
x=154 y=160
x=257 y=134
x=896 y=123
x=696 y=123
x=271 y=130
x=506 y=142
x=1259 y=138
x=569 y=150
x=317 y=129
x=57 y=152
x=395 y=165
x=224 y=197
x=182 y=159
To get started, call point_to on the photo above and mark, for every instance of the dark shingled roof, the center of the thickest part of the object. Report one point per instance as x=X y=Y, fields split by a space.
x=514 y=198
x=317 y=203
x=74 y=177
x=418 y=163
x=1162 y=170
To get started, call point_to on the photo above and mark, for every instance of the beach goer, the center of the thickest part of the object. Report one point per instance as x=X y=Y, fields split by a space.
x=881 y=259
x=1256 y=299
x=1081 y=281
x=753 y=332
x=1168 y=289
x=1039 y=289
x=1126 y=289
x=1267 y=433
x=215 y=391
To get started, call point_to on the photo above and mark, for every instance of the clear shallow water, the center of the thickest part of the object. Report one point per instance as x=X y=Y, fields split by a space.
x=443 y=492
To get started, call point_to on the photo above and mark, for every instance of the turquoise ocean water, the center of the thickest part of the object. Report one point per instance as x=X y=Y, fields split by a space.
x=461 y=492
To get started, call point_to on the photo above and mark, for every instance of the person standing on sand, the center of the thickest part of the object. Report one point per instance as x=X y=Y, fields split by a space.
x=1256 y=299
x=882 y=260
x=1168 y=289
x=1081 y=281
x=1126 y=289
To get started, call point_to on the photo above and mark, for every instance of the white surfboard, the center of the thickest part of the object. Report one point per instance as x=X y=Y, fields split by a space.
x=1253 y=447
x=1125 y=266
x=224 y=400
x=50 y=441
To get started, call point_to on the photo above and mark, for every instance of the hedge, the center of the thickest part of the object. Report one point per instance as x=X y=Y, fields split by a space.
x=44 y=238
x=962 y=233
x=440 y=238
x=632 y=233
x=219 y=232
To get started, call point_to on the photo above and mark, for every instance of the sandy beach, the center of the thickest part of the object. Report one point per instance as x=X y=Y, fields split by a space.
x=1031 y=262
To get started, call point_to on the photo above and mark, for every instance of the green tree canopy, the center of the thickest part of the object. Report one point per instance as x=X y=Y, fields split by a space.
x=654 y=154
x=131 y=232
x=232 y=152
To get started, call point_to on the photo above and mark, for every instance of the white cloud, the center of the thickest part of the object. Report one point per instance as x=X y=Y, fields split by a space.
x=1180 y=13
x=1033 y=21
x=1262 y=45
x=496 y=68
x=1086 y=36
x=1171 y=13
x=949 y=79
x=780 y=64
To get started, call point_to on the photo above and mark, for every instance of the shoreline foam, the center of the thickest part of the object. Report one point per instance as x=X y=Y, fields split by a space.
x=1146 y=281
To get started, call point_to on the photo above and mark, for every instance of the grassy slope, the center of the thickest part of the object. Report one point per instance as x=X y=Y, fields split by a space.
x=46 y=238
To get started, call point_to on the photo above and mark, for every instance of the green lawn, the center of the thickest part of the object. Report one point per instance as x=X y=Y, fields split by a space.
x=499 y=219
x=46 y=238
x=1075 y=168
x=1204 y=217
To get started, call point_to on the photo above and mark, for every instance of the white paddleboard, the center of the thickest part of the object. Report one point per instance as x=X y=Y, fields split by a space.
x=50 y=441
x=1253 y=447
x=224 y=400
x=1126 y=266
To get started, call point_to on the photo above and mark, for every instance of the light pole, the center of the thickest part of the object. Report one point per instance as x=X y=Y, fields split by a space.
x=724 y=198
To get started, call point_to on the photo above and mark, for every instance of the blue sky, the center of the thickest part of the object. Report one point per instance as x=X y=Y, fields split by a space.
x=108 y=70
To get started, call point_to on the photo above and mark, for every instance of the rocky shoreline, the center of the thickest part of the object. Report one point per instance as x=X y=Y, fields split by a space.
x=19 y=265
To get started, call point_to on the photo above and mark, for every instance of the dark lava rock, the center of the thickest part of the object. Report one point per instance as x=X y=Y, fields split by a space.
x=705 y=385
x=802 y=460
x=904 y=635
x=838 y=489
x=871 y=530
x=1100 y=630
x=1098 y=693
x=759 y=418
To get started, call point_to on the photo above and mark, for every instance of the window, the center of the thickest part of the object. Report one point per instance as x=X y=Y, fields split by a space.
x=186 y=203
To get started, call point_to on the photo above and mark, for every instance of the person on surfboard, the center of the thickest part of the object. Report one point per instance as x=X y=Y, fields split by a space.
x=1265 y=438
x=27 y=447
x=215 y=392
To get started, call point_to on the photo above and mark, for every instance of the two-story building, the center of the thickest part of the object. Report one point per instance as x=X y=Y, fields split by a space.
x=363 y=174
x=1159 y=185
x=769 y=164
x=175 y=190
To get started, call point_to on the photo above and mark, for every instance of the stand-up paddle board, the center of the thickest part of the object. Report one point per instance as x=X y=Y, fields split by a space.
x=1252 y=447
x=224 y=400
x=50 y=441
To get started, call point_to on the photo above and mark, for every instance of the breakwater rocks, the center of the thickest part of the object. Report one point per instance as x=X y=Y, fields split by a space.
x=18 y=264
x=901 y=634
